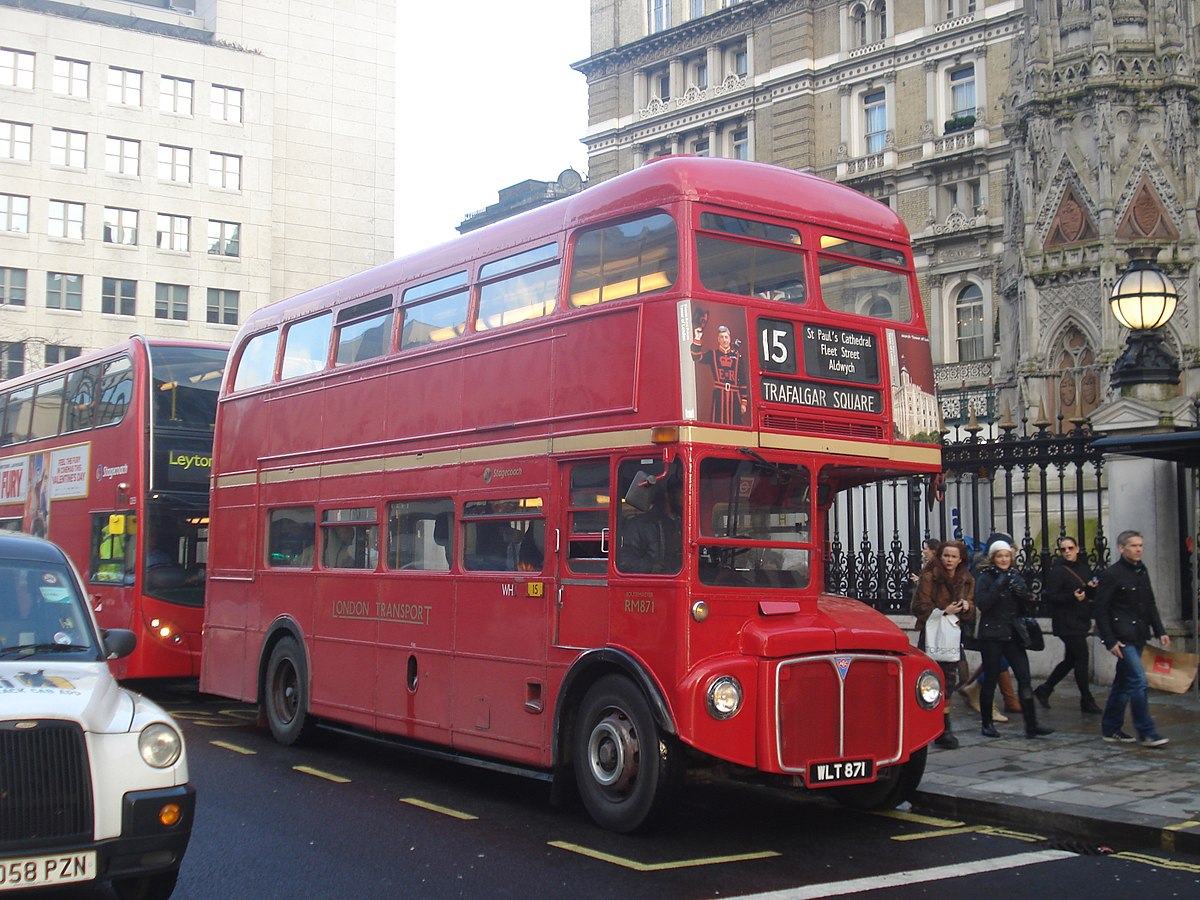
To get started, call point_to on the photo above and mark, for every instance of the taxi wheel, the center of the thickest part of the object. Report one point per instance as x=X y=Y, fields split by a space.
x=285 y=694
x=895 y=785
x=625 y=767
x=146 y=887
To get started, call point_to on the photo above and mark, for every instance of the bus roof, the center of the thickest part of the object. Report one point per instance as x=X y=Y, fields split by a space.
x=77 y=362
x=767 y=189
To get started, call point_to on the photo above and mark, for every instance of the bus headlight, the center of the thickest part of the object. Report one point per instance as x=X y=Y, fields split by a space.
x=929 y=690
x=165 y=630
x=724 y=697
x=160 y=745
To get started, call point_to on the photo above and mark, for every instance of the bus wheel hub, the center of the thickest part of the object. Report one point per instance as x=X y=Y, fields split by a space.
x=613 y=752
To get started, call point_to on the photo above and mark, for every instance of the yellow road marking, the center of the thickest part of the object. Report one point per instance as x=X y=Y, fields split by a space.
x=660 y=867
x=433 y=807
x=1147 y=859
x=971 y=829
x=1168 y=832
x=1180 y=826
x=920 y=820
x=245 y=751
x=309 y=770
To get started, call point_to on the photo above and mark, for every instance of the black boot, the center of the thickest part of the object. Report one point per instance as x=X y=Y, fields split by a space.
x=1088 y=705
x=1043 y=695
x=988 y=729
x=1032 y=728
x=946 y=740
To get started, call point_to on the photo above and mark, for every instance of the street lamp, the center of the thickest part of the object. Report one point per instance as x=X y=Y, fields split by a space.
x=1143 y=300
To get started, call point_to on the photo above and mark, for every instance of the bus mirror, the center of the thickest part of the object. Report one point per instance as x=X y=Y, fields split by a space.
x=641 y=492
x=824 y=494
x=116 y=524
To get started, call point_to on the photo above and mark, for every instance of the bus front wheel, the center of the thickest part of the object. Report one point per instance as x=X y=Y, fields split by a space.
x=895 y=785
x=285 y=697
x=624 y=765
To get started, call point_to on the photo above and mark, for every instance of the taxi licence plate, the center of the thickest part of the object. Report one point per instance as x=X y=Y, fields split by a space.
x=42 y=871
x=841 y=771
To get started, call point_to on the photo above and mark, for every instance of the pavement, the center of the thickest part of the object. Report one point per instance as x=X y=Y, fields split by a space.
x=1072 y=783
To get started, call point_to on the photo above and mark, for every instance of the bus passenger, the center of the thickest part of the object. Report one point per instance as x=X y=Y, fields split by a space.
x=652 y=541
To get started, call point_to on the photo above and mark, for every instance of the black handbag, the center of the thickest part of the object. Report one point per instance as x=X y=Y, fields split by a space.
x=1029 y=633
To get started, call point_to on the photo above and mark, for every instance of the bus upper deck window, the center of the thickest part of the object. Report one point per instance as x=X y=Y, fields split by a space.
x=735 y=258
x=47 y=409
x=306 y=346
x=364 y=331
x=257 y=363
x=80 y=411
x=116 y=391
x=860 y=288
x=623 y=260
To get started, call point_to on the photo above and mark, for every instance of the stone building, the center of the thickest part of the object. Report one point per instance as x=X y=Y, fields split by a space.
x=1025 y=144
x=167 y=167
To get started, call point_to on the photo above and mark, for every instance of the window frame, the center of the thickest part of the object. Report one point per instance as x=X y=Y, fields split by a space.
x=117 y=226
x=65 y=219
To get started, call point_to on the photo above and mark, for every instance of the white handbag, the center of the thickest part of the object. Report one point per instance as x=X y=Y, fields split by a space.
x=943 y=638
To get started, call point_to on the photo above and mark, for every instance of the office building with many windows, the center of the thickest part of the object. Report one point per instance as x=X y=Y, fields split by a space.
x=167 y=167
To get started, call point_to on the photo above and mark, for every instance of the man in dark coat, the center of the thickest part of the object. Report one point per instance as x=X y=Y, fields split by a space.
x=1126 y=617
x=1069 y=589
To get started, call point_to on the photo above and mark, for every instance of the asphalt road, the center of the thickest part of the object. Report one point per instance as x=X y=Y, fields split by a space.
x=349 y=818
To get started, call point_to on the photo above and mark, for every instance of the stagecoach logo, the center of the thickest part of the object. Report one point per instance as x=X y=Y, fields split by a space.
x=843 y=665
x=103 y=471
x=490 y=474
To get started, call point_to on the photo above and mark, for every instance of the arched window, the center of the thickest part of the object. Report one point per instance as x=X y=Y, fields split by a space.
x=968 y=324
x=858 y=25
x=1077 y=376
x=879 y=20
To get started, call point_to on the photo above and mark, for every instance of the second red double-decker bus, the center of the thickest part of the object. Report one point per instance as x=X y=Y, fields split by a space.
x=553 y=494
x=108 y=455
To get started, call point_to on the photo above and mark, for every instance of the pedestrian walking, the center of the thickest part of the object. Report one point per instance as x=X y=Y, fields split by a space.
x=945 y=586
x=1069 y=589
x=1126 y=617
x=1001 y=596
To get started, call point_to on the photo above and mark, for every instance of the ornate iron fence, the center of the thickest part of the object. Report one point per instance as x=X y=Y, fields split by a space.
x=1033 y=483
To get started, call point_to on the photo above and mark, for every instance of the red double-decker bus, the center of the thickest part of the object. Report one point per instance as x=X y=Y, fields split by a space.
x=553 y=494
x=109 y=455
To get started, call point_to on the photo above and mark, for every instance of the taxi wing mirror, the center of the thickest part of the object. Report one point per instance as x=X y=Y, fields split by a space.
x=118 y=642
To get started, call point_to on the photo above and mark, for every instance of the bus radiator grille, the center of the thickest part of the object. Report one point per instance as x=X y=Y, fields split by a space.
x=807 y=425
x=821 y=715
x=45 y=784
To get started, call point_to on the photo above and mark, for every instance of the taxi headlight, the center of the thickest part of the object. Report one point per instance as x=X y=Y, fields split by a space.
x=160 y=745
x=929 y=689
x=724 y=697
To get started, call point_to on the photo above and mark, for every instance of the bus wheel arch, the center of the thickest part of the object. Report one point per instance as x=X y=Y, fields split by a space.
x=285 y=686
x=585 y=672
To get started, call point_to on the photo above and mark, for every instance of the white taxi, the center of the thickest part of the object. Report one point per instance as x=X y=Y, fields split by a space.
x=93 y=777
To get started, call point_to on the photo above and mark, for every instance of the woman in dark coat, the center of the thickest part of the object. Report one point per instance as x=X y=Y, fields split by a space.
x=1000 y=599
x=946 y=584
x=1069 y=589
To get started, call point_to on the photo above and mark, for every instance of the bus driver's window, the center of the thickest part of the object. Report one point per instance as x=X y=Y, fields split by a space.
x=650 y=538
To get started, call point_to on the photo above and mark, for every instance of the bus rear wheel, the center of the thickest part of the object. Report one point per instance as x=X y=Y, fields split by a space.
x=625 y=767
x=285 y=695
x=895 y=785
